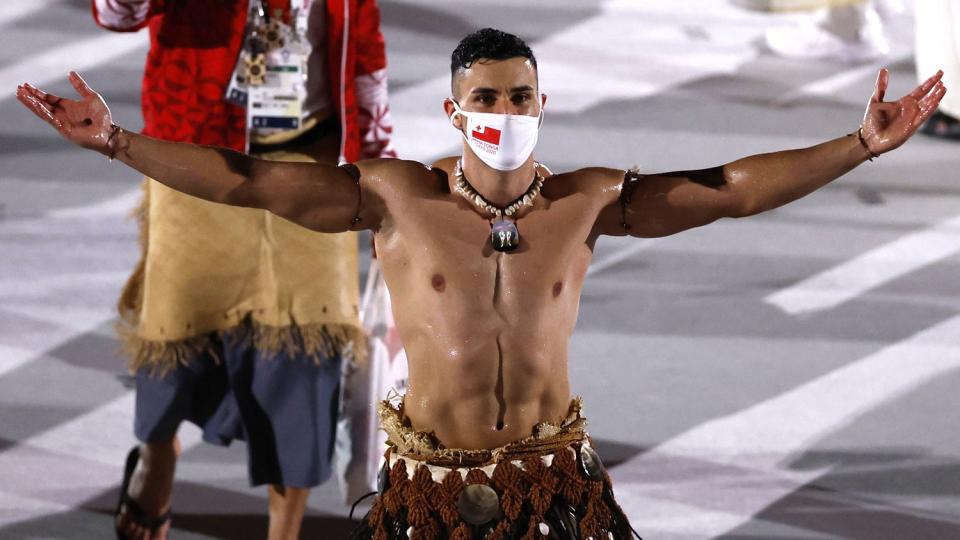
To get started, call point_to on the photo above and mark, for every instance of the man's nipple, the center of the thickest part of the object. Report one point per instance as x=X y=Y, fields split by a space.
x=439 y=284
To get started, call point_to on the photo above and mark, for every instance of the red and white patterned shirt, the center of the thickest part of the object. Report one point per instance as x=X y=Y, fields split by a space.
x=194 y=46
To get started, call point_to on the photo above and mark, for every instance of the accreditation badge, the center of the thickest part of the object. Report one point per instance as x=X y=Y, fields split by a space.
x=270 y=74
x=276 y=104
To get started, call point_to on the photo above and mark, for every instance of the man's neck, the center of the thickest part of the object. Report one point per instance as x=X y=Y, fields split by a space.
x=499 y=187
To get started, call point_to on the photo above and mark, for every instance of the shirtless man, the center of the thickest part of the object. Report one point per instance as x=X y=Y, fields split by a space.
x=487 y=438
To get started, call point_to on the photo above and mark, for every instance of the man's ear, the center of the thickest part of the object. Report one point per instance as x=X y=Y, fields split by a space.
x=543 y=100
x=449 y=109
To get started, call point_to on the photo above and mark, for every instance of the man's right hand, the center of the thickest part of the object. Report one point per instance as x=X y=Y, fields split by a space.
x=319 y=196
x=86 y=122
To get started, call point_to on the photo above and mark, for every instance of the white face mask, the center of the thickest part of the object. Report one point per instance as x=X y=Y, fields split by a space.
x=502 y=141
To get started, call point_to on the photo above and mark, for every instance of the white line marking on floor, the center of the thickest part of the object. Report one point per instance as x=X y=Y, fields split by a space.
x=733 y=467
x=880 y=265
x=13 y=357
x=119 y=205
x=76 y=320
x=11 y=10
x=15 y=507
x=103 y=434
x=54 y=64
x=830 y=85
x=636 y=245
x=35 y=286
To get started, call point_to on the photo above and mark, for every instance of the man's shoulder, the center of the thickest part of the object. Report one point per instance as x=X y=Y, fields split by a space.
x=446 y=164
x=590 y=181
x=401 y=174
x=394 y=169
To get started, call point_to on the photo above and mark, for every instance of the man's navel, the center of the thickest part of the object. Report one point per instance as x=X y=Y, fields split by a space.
x=439 y=284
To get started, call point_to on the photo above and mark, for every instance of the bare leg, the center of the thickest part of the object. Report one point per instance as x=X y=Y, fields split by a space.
x=287 y=506
x=151 y=486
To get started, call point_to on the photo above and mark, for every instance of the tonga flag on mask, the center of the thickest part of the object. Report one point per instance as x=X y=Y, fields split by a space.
x=360 y=442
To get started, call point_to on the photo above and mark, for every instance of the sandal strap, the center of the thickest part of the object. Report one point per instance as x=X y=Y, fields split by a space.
x=140 y=517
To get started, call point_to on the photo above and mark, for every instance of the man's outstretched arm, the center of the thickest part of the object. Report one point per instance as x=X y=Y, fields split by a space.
x=663 y=204
x=320 y=197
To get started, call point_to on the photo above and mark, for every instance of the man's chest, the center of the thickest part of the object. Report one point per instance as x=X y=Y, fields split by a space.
x=448 y=245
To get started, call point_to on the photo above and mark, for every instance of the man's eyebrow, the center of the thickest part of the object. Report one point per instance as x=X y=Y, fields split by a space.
x=486 y=90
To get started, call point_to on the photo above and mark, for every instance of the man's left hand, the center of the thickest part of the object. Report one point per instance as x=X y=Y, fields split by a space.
x=888 y=124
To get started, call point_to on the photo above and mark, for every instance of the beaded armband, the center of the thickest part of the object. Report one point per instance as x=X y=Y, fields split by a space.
x=630 y=179
x=354 y=173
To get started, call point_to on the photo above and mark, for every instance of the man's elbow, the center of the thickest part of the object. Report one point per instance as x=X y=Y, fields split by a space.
x=736 y=204
x=245 y=195
x=743 y=207
x=248 y=181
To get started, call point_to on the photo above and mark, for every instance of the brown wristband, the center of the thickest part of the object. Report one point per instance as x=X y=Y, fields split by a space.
x=112 y=141
x=863 y=142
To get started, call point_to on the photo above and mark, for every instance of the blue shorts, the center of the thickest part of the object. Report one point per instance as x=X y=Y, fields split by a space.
x=285 y=408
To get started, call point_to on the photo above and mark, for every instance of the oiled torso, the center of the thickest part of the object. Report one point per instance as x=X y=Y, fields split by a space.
x=485 y=332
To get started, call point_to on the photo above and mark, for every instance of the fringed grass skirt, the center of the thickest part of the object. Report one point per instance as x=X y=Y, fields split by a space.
x=558 y=489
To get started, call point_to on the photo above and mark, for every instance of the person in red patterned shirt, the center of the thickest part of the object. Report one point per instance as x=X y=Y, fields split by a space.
x=243 y=329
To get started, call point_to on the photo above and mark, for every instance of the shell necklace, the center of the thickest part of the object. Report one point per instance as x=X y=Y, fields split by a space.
x=504 y=235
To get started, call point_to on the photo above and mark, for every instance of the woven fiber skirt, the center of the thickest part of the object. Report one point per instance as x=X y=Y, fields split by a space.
x=551 y=485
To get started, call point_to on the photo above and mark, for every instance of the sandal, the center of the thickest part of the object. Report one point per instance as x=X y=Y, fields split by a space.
x=134 y=511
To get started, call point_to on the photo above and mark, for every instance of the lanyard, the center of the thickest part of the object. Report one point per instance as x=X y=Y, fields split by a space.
x=260 y=11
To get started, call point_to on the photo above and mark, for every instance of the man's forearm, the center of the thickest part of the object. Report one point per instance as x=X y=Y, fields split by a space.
x=206 y=172
x=766 y=181
x=323 y=198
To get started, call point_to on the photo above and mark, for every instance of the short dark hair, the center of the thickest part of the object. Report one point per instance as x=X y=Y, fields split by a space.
x=491 y=44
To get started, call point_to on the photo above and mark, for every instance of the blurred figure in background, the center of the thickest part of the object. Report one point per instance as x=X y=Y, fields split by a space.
x=938 y=43
x=840 y=30
x=234 y=319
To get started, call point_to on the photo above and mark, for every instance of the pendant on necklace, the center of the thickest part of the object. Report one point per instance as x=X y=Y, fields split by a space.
x=504 y=234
